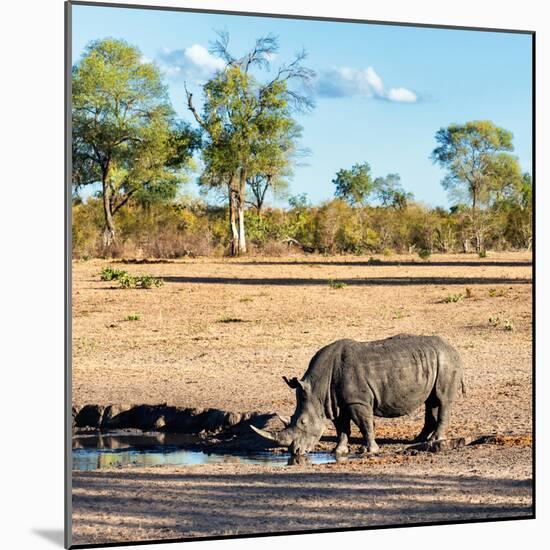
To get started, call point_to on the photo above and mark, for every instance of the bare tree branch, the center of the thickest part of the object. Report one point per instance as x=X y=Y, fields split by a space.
x=220 y=47
x=116 y=207
x=264 y=48
x=191 y=107
x=295 y=71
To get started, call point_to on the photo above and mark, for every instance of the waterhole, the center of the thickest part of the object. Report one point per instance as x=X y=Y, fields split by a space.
x=126 y=449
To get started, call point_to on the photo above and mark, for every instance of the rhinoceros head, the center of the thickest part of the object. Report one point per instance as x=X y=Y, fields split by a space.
x=305 y=428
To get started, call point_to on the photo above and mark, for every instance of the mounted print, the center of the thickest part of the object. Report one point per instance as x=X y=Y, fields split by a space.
x=299 y=274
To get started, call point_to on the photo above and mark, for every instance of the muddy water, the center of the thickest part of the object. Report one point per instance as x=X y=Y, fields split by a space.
x=124 y=449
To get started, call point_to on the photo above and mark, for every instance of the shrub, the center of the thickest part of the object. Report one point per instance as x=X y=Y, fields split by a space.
x=147 y=281
x=494 y=293
x=336 y=284
x=271 y=247
x=190 y=227
x=451 y=298
x=132 y=317
x=506 y=323
x=129 y=281
x=482 y=253
x=110 y=274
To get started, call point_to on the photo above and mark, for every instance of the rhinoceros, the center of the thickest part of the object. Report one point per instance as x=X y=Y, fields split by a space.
x=353 y=381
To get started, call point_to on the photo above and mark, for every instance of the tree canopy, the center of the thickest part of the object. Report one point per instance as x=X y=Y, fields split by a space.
x=477 y=158
x=390 y=192
x=355 y=185
x=274 y=158
x=125 y=135
x=247 y=124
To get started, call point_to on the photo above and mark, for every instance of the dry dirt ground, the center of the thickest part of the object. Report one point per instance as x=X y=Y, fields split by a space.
x=221 y=333
x=227 y=499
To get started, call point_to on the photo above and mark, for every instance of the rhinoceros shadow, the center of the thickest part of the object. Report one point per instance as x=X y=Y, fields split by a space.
x=357 y=440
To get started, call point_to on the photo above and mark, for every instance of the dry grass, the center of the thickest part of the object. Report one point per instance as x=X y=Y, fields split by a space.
x=184 y=350
x=221 y=333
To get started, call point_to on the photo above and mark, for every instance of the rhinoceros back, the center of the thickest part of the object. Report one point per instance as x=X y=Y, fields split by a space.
x=397 y=373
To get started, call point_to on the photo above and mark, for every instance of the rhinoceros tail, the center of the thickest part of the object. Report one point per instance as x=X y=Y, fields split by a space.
x=463 y=388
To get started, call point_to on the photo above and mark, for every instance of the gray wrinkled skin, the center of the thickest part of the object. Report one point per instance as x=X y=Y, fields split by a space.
x=349 y=381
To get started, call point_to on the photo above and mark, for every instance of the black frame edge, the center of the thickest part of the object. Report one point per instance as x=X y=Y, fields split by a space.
x=533 y=269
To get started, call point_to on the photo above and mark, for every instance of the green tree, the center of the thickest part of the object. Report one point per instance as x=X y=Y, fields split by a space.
x=356 y=185
x=476 y=156
x=526 y=190
x=274 y=157
x=240 y=116
x=515 y=213
x=125 y=136
x=390 y=192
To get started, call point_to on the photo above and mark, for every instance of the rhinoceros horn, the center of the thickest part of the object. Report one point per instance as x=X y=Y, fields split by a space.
x=283 y=438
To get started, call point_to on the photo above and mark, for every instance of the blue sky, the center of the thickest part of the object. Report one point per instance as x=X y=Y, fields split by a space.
x=381 y=92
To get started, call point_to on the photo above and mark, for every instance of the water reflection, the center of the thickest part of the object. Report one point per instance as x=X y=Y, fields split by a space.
x=299 y=460
x=124 y=439
x=119 y=450
x=96 y=459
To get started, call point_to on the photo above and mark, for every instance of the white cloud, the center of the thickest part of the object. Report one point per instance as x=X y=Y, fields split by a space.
x=374 y=81
x=194 y=62
x=402 y=94
x=201 y=57
x=348 y=82
x=171 y=70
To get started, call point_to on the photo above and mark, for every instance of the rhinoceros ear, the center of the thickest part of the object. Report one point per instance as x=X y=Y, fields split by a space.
x=295 y=383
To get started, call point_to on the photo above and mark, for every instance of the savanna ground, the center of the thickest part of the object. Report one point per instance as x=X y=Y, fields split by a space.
x=221 y=333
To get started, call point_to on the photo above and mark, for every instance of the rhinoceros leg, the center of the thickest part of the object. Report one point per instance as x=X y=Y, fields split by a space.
x=343 y=430
x=443 y=419
x=430 y=419
x=430 y=423
x=446 y=389
x=363 y=416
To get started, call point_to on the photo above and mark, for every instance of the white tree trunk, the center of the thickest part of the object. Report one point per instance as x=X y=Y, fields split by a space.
x=242 y=238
